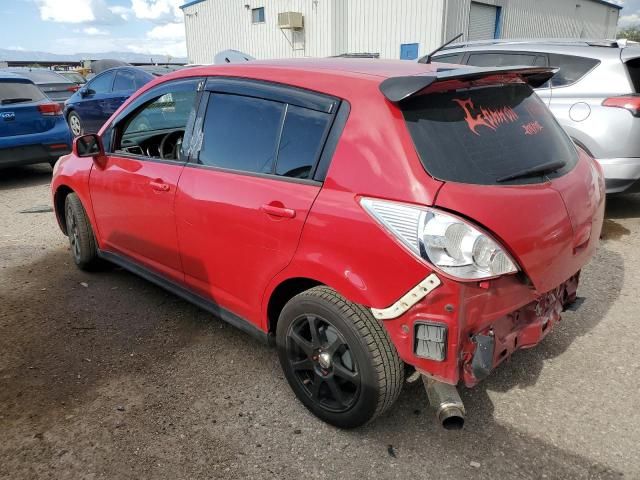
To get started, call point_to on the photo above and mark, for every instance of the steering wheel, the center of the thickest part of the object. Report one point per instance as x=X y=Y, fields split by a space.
x=169 y=150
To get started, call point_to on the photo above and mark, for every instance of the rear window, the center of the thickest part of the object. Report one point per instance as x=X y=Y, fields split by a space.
x=571 y=68
x=43 y=76
x=501 y=59
x=481 y=135
x=633 y=66
x=19 y=92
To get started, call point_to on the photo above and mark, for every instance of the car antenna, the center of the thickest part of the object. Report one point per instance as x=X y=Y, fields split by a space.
x=427 y=58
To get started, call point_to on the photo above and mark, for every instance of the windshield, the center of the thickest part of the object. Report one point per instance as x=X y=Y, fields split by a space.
x=484 y=135
x=18 y=92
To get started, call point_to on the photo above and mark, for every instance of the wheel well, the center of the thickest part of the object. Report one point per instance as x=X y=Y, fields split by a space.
x=58 y=205
x=282 y=294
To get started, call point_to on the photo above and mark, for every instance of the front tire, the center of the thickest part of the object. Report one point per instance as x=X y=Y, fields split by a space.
x=75 y=124
x=81 y=238
x=337 y=358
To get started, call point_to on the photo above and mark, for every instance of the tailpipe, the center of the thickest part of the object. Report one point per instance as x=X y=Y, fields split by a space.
x=447 y=402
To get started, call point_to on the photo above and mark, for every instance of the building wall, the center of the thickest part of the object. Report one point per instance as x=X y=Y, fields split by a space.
x=541 y=18
x=334 y=27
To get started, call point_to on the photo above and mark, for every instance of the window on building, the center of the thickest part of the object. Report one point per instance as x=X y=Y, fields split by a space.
x=571 y=68
x=302 y=139
x=257 y=15
x=241 y=133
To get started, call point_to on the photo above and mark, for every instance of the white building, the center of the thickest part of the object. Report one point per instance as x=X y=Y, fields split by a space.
x=391 y=28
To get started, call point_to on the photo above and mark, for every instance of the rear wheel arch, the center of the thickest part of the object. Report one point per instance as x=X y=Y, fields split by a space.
x=281 y=295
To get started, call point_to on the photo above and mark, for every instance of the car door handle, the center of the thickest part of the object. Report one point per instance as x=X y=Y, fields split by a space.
x=277 y=211
x=159 y=185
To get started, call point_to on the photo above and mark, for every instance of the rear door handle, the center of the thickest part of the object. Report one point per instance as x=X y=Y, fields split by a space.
x=278 y=211
x=159 y=185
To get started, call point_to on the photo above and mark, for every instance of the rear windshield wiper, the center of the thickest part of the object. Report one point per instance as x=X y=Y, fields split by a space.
x=8 y=101
x=541 y=169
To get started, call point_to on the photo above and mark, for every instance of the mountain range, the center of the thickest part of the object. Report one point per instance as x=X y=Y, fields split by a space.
x=130 y=57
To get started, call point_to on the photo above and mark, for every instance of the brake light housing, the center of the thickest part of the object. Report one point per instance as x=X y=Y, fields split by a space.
x=445 y=241
x=50 y=109
x=628 y=102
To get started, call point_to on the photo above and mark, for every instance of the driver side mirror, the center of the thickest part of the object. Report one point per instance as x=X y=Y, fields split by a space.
x=85 y=92
x=88 y=146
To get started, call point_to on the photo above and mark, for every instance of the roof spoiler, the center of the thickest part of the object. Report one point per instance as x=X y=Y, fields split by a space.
x=396 y=89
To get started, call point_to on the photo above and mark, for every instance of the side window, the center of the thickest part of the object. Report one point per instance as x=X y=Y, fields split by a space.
x=241 y=133
x=501 y=59
x=572 y=68
x=454 y=58
x=125 y=81
x=156 y=129
x=302 y=139
x=140 y=79
x=102 y=83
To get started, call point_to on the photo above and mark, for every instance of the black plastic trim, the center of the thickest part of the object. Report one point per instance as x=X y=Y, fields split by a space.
x=190 y=296
x=273 y=91
x=332 y=140
x=270 y=176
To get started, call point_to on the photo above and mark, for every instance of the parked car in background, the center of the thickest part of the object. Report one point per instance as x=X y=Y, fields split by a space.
x=75 y=77
x=160 y=70
x=92 y=105
x=595 y=95
x=32 y=127
x=54 y=85
x=360 y=214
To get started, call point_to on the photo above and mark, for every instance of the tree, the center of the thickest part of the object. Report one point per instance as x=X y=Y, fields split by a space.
x=630 y=33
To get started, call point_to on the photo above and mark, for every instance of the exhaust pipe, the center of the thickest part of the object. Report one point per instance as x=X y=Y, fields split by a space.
x=447 y=402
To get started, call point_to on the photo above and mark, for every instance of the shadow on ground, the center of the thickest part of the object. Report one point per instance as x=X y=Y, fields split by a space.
x=27 y=176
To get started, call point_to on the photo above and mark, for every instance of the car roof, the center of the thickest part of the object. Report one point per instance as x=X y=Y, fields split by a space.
x=6 y=75
x=40 y=76
x=598 y=49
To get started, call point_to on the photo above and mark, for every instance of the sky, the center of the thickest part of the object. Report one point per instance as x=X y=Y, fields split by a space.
x=140 y=26
x=74 y=26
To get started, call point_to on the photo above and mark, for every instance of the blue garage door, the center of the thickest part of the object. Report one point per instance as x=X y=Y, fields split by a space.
x=409 y=51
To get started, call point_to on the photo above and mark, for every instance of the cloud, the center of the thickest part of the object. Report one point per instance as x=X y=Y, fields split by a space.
x=78 y=11
x=17 y=48
x=628 y=20
x=94 y=31
x=122 y=12
x=166 y=39
x=158 y=11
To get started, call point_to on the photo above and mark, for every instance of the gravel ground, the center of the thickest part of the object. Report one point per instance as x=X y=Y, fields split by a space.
x=105 y=376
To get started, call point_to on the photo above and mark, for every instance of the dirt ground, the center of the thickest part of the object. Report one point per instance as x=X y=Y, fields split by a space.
x=105 y=376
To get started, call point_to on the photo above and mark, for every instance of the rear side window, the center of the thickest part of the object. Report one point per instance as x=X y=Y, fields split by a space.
x=19 y=92
x=102 y=83
x=571 y=68
x=454 y=58
x=125 y=81
x=302 y=139
x=241 y=133
x=262 y=136
x=633 y=66
x=481 y=135
x=501 y=59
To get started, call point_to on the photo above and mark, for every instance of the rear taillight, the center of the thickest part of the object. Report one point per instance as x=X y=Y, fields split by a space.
x=73 y=89
x=628 y=102
x=50 y=109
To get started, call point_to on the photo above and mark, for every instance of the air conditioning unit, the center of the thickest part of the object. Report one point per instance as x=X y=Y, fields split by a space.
x=290 y=20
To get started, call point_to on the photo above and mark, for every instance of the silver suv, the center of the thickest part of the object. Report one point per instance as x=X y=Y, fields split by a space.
x=595 y=95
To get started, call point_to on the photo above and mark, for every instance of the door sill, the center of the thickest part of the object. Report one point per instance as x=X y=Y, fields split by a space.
x=190 y=296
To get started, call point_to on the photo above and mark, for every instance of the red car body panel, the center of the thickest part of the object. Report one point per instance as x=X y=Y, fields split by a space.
x=214 y=233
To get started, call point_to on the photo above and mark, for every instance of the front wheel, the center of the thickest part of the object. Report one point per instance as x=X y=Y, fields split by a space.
x=80 y=233
x=75 y=124
x=337 y=358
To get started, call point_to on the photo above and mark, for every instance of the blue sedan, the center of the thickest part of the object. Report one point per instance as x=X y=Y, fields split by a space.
x=92 y=105
x=32 y=127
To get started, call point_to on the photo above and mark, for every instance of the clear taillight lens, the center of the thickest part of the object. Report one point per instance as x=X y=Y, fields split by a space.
x=449 y=243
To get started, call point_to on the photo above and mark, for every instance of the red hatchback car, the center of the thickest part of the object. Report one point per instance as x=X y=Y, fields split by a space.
x=365 y=216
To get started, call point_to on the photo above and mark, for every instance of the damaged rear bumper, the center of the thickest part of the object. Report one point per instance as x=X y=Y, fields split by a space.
x=484 y=325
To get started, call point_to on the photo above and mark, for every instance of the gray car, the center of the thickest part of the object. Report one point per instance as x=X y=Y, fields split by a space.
x=595 y=95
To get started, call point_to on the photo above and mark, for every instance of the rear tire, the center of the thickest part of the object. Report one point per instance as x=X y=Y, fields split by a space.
x=337 y=358
x=75 y=124
x=81 y=238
